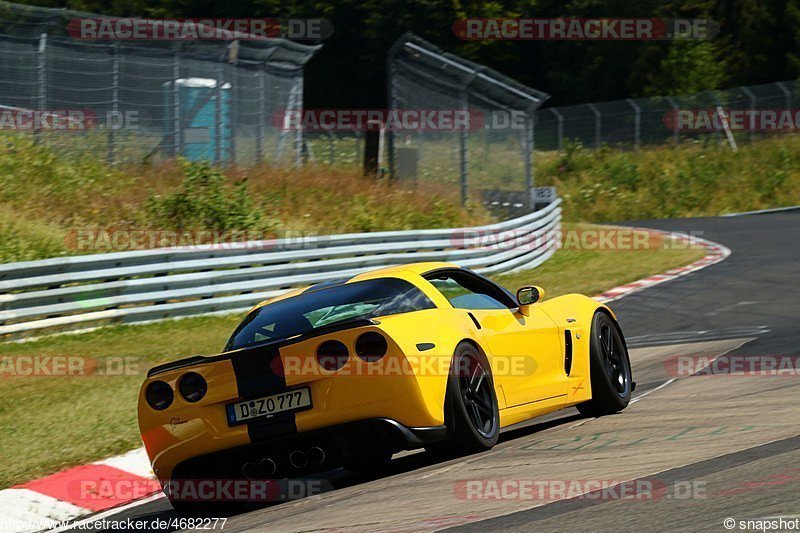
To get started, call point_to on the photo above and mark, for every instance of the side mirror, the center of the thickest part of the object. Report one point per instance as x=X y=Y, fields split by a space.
x=528 y=296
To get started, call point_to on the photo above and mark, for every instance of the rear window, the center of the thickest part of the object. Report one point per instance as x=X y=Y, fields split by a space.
x=320 y=307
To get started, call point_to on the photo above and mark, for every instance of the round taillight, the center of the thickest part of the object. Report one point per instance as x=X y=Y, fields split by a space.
x=159 y=395
x=192 y=386
x=371 y=346
x=332 y=355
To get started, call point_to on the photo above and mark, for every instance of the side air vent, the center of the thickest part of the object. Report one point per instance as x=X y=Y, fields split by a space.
x=568 y=351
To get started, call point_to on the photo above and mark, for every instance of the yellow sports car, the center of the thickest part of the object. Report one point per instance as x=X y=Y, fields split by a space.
x=347 y=372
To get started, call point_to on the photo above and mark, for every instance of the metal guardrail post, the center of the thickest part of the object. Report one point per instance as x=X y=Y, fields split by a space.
x=598 y=124
x=637 y=122
x=747 y=92
x=114 y=103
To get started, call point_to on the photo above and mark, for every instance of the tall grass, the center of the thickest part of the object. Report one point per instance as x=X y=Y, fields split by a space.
x=693 y=180
x=44 y=196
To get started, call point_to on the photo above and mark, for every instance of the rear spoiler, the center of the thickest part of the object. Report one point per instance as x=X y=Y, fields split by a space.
x=201 y=360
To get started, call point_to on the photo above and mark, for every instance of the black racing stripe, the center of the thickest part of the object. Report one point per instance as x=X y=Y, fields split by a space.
x=254 y=377
x=257 y=376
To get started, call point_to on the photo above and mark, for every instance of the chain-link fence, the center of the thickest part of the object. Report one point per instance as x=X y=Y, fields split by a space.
x=489 y=165
x=658 y=120
x=219 y=101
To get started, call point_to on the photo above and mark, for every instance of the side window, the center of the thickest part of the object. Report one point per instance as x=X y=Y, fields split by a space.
x=466 y=291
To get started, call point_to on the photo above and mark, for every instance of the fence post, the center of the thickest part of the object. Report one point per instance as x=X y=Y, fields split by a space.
x=529 y=147
x=464 y=151
x=637 y=122
x=718 y=106
x=559 y=128
x=41 y=79
x=787 y=93
x=218 y=115
x=298 y=135
x=262 y=115
x=675 y=131
x=597 y=124
x=391 y=100
x=748 y=93
x=177 y=131
x=231 y=72
x=114 y=102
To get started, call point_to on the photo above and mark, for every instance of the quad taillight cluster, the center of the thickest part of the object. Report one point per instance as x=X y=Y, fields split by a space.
x=192 y=387
x=370 y=347
x=331 y=355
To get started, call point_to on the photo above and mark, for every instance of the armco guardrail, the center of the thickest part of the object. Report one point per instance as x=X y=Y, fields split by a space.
x=87 y=291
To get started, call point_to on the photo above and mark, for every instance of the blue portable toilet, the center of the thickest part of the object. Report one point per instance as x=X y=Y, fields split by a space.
x=205 y=136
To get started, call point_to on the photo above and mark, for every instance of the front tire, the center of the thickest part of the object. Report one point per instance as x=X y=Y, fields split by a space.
x=472 y=415
x=610 y=369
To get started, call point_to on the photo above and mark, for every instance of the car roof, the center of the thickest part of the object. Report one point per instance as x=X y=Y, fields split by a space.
x=386 y=272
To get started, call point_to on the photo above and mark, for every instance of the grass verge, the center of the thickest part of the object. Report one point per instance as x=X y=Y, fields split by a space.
x=51 y=423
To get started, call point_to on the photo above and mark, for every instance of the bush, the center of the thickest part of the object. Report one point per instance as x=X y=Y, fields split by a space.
x=205 y=201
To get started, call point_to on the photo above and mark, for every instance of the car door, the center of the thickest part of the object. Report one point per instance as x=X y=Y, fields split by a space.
x=525 y=351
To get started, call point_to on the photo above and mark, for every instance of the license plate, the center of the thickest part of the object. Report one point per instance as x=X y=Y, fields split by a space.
x=293 y=400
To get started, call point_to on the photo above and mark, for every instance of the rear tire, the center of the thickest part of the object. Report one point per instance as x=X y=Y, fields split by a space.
x=610 y=369
x=472 y=415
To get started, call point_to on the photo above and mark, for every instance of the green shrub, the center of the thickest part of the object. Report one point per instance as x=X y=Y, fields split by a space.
x=205 y=201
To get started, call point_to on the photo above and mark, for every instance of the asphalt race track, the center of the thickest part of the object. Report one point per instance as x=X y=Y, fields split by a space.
x=711 y=446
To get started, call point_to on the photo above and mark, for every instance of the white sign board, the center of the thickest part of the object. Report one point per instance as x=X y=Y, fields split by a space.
x=543 y=195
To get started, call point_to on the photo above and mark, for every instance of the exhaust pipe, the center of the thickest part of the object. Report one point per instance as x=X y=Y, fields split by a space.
x=316 y=455
x=251 y=471
x=297 y=459
x=267 y=467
